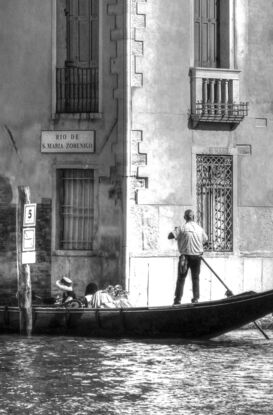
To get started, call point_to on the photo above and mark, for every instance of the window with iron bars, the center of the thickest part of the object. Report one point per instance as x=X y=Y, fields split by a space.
x=75 y=188
x=77 y=71
x=215 y=200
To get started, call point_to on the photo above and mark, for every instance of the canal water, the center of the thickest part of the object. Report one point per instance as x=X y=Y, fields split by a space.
x=232 y=374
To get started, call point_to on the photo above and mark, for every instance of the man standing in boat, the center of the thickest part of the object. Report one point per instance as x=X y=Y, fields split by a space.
x=190 y=241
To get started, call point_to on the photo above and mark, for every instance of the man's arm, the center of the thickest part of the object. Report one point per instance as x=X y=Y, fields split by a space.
x=174 y=234
x=204 y=237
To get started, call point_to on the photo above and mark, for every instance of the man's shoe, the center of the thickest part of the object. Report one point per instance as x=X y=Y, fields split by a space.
x=194 y=301
x=176 y=303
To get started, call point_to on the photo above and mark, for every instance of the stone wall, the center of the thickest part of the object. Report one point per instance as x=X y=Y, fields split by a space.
x=153 y=278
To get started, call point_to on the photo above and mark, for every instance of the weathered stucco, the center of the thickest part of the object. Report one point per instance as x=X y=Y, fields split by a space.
x=160 y=112
x=28 y=50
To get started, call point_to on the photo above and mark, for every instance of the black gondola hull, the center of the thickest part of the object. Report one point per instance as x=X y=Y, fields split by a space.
x=188 y=321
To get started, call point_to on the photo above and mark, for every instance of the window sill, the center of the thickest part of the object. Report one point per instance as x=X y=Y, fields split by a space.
x=77 y=116
x=214 y=254
x=75 y=253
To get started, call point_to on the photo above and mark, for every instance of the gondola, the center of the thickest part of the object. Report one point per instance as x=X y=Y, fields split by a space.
x=202 y=320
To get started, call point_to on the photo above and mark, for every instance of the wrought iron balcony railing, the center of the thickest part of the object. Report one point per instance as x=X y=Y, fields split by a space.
x=77 y=90
x=225 y=112
x=215 y=96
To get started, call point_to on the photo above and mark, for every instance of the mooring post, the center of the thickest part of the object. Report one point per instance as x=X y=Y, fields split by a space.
x=23 y=270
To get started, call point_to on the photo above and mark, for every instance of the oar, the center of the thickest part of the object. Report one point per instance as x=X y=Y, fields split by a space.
x=229 y=293
x=260 y=329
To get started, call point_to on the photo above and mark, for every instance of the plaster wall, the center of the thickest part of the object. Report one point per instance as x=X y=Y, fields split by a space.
x=28 y=50
x=255 y=172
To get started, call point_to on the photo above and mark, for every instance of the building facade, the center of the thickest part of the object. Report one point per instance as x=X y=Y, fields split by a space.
x=120 y=115
x=62 y=134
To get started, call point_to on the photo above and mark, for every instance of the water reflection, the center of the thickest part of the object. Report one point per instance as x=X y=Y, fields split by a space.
x=45 y=375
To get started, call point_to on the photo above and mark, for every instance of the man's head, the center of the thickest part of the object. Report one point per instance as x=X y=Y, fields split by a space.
x=189 y=215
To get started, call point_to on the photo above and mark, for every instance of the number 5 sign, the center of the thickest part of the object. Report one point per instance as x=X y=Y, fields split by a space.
x=29 y=215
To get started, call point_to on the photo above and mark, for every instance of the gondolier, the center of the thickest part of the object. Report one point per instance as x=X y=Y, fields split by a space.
x=190 y=240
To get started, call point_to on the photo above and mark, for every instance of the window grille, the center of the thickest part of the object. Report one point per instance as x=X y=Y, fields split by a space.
x=77 y=90
x=76 y=208
x=215 y=200
x=77 y=72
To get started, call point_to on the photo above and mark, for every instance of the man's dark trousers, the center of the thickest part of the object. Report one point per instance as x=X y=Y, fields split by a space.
x=193 y=263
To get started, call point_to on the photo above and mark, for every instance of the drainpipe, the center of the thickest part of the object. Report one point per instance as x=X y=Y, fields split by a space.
x=127 y=141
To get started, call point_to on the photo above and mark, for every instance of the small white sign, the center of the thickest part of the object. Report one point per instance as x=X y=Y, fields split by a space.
x=82 y=141
x=29 y=257
x=29 y=214
x=28 y=239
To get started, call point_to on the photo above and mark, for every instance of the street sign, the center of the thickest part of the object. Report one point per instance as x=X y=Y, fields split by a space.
x=28 y=240
x=29 y=214
x=68 y=141
x=29 y=257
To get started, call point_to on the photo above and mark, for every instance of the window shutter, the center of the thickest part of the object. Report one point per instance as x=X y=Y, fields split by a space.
x=197 y=33
x=72 y=53
x=94 y=31
x=205 y=33
x=76 y=208
x=82 y=33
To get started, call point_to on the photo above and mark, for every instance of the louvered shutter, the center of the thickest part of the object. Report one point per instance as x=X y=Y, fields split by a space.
x=206 y=33
x=82 y=33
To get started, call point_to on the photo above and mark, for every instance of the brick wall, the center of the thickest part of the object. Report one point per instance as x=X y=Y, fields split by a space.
x=8 y=276
x=40 y=272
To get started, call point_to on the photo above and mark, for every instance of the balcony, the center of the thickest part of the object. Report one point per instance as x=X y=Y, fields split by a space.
x=215 y=97
x=77 y=90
